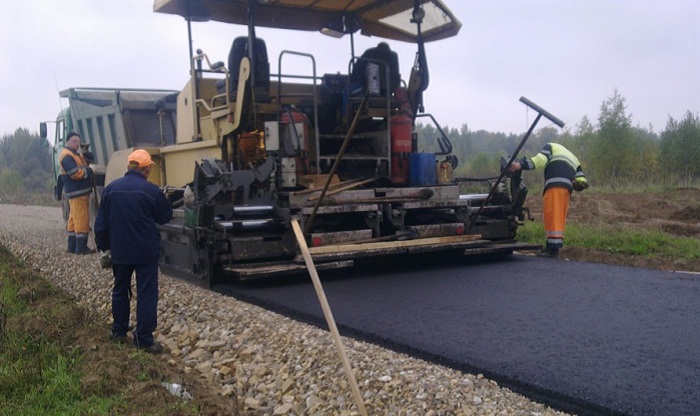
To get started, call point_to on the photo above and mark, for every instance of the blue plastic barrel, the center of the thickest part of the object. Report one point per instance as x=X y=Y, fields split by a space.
x=423 y=169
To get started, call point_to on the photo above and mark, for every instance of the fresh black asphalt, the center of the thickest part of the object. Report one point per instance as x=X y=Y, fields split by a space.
x=584 y=338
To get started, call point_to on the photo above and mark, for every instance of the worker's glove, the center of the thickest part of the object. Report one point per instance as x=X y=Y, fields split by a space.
x=89 y=157
x=506 y=169
x=580 y=186
x=106 y=259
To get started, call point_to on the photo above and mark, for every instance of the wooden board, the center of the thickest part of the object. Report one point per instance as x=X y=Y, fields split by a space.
x=249 y=272
x=393 y=244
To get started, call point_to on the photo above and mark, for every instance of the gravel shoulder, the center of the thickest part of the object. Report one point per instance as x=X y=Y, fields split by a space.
x=274 y=365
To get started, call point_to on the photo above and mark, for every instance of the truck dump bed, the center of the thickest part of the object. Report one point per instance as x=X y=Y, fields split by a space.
x=115 y=119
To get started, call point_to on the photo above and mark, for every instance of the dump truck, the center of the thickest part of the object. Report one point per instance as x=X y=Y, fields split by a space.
x=262 y=151
x=108 y=120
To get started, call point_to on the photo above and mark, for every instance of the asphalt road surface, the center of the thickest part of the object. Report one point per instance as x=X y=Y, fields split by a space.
x=584 y=338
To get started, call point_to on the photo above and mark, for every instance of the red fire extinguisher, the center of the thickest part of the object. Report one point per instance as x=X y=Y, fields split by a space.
x=299 y=137
x=401 y=147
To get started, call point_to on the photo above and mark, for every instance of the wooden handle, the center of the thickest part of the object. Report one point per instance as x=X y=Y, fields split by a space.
x=329 y=316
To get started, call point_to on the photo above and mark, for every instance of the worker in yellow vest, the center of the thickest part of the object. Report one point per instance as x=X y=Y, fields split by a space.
x=562 y=175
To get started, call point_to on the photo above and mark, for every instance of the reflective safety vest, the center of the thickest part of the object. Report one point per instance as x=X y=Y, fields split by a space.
x=75 y=174
x=561 y=167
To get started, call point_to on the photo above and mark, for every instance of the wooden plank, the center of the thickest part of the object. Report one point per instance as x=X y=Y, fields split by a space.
x=399 y=251
x=501 y=248
x=393 y=244
x=249 y=272
x=338 y=189
x=420 y=195
x=314 y=187
x=325 y=306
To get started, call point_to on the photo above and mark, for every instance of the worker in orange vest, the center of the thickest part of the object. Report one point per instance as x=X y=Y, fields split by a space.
x=77 y=180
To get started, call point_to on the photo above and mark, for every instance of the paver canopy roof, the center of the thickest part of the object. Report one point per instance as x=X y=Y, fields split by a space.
x=389 y=19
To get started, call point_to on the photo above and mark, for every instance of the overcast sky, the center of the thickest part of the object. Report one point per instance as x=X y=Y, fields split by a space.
x=566 y=56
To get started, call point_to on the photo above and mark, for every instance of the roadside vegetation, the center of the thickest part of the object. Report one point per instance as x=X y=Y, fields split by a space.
x=56 y=360
x=615 y=153
x=619 y=239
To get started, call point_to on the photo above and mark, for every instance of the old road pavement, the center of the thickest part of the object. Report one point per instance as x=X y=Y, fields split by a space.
x=584 y=338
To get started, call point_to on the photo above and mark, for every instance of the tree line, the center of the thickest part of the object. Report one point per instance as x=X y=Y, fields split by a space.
x=613 y=152
x=26 y=167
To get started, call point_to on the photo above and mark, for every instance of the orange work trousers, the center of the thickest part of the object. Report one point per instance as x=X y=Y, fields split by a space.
x=79 y=218
x=555 y=206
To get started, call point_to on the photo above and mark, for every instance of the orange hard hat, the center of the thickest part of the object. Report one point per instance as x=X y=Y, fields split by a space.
x=140 y=157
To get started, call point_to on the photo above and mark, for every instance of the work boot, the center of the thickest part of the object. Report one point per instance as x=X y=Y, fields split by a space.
x=118 y=339
x=81 y=246
x=551 y=253
x=71 y=244
x=156 y=348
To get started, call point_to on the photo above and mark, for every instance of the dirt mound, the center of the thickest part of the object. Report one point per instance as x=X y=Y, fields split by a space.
x=688 y=213
x=643 y=209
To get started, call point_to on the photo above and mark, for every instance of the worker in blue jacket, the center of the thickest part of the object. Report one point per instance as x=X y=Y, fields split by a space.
x=126 y=230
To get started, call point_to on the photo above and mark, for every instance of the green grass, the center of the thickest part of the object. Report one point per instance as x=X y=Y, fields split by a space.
x=36 y=375
x=38 y=378
x=619 y=240
x=44 y=351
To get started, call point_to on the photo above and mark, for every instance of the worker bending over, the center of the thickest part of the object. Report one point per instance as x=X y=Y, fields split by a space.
x=562 y=175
